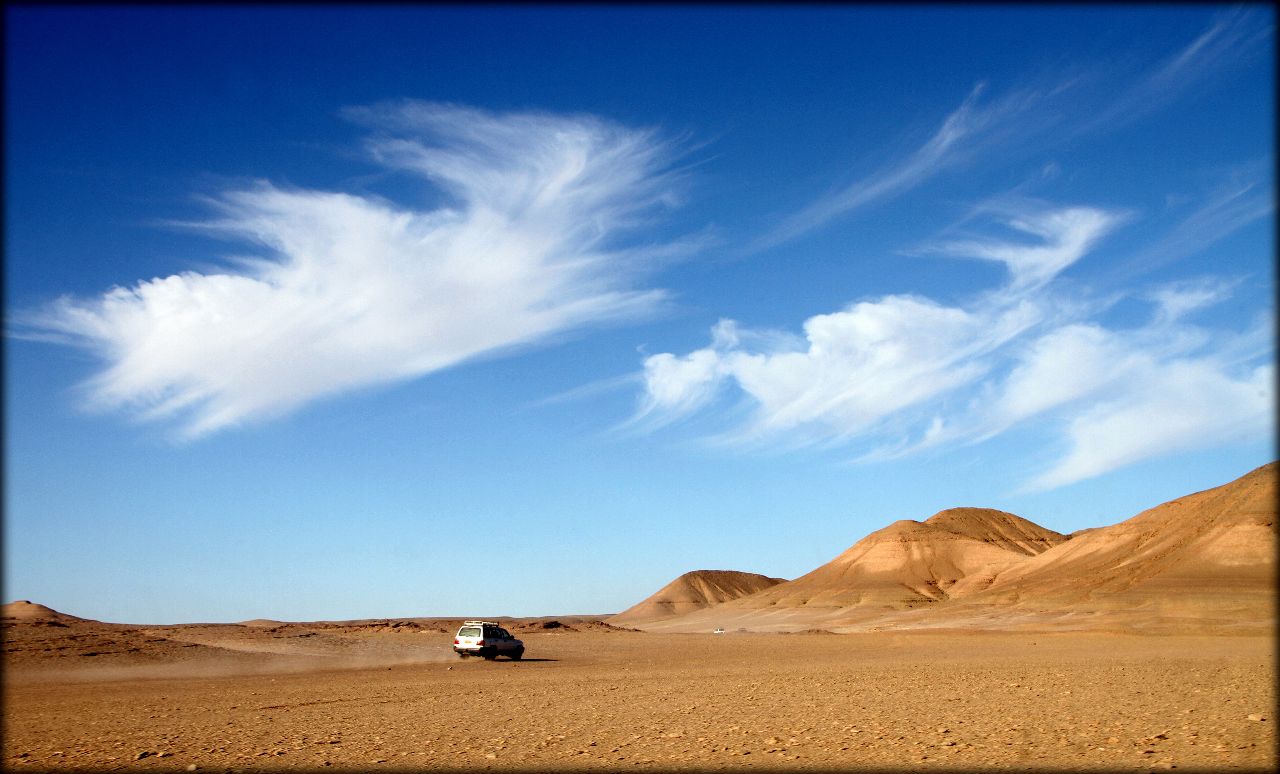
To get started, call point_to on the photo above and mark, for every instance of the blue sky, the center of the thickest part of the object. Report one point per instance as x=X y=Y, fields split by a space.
x=335 y=312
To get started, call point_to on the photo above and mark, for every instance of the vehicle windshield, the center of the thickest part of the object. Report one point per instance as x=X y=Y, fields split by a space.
x=469 y=631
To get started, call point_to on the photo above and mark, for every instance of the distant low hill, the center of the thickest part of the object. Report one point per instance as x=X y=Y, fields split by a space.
x=24 y=610
x=694 y=591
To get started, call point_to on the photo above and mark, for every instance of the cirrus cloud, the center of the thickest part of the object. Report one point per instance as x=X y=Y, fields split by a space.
x=354 y=291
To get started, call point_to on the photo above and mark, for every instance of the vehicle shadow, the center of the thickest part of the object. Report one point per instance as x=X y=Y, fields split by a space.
x=539 y=659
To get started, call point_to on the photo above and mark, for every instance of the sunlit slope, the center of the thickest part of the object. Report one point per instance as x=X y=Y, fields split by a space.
x=24 y=610
x=1213 y=550
x=910 y=563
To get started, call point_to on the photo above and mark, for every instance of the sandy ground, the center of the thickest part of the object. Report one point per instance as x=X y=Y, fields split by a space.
x=367 y=697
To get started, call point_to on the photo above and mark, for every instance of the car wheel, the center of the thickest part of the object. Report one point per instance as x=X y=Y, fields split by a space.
x=516 y=655
x=489 y=656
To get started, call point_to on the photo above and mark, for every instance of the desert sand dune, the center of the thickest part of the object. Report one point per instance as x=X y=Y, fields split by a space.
x=693 y=591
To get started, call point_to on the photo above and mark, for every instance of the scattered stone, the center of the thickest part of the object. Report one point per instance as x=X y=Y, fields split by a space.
x=191 y=767
x=141 y=755
x=1258 y=718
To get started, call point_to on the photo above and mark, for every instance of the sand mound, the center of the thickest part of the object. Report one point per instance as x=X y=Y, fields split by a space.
x=697 y=590
x=997 y=528
x=25 y=610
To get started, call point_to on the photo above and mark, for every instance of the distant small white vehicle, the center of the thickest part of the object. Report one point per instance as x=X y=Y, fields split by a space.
x=718 y=631
x=487 y=640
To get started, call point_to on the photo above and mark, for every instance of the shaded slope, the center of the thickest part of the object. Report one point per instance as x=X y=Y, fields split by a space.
x=695 y=591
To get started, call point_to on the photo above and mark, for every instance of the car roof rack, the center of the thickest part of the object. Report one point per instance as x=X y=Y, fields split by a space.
x=478 y=623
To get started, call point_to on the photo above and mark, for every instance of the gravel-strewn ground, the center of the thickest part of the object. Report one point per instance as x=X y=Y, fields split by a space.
x=618 y=700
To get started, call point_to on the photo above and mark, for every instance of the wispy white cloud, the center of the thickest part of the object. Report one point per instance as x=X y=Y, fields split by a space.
x=1065 y=235
x=905 y=373
x=353 y=291
x=1168 y=407
x=1177 y=299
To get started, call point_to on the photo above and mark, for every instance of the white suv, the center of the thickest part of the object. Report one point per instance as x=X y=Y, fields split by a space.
x=488 y=640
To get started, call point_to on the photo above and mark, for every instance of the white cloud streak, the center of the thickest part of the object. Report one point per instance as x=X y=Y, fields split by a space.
x=1234 y=34
x=354 y=292
x=1245 y=197
x=1178 y=299
x=1023 y=119
x=970 y=126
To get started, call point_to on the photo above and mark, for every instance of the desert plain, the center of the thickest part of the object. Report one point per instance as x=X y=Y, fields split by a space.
x=304 y=697
x=974 y=640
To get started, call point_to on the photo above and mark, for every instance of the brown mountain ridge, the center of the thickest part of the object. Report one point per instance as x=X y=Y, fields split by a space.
x=1204 y=558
